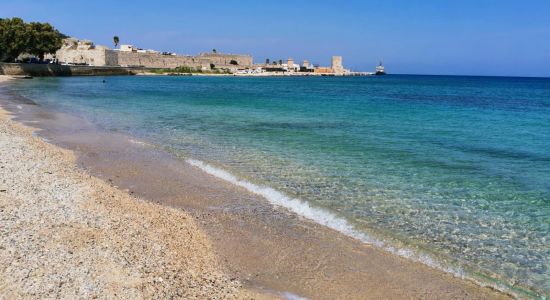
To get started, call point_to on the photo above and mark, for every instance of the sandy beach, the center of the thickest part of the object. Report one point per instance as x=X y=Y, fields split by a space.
x=105 y=216
x=65 y=234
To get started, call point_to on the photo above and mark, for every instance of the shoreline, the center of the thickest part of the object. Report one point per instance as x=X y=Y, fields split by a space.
x=53 y=70
x=225 y=232
x=68 y=234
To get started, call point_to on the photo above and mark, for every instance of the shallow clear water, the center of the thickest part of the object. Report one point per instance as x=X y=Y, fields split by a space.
x=455 y=167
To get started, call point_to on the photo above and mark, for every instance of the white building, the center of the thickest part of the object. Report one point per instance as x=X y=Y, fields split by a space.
x=128 y=48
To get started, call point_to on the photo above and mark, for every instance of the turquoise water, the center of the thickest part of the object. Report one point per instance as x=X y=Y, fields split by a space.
x=454 y=169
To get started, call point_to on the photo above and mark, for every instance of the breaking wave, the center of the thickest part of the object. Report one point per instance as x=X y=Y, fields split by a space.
x=323 y=217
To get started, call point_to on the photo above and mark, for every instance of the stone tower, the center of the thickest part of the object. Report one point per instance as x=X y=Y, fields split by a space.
x=337 y=66
x=290 y=64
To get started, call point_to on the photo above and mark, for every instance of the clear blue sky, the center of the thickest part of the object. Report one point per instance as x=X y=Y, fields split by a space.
x=478 y=37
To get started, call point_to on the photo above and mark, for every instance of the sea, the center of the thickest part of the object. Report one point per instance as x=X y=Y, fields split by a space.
x=452 y=171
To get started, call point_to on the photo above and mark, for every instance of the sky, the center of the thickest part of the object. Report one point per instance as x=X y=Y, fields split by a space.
x=467 y=37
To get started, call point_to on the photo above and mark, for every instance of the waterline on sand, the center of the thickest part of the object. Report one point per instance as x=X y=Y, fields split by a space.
x=340 y=224
x=414 y=163
x=322 y=216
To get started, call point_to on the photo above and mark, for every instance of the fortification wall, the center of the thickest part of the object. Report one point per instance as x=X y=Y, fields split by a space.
x=154 y=60
x=92 y=57
x=224 y=60
x=108 y=57
x=111 y=58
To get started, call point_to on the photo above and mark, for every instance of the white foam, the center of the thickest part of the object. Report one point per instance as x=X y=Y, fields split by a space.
x=328 y=219
x=291 y=296
x=298 y=206
x=141 y=143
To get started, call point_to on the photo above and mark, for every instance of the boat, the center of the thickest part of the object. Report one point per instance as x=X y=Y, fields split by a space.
x=380 y=70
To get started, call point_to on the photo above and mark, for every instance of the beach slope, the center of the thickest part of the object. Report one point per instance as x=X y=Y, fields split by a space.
x=66 y=234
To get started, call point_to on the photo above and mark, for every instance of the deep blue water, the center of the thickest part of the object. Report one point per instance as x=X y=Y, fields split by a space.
x=457 y=168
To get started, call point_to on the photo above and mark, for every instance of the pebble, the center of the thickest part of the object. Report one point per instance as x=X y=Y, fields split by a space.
x=61 y=238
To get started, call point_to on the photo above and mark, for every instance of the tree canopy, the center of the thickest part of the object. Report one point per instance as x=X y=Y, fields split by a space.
x=116 y=40
x=17 y=37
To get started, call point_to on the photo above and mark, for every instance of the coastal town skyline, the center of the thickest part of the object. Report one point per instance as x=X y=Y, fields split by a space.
x=429 y=38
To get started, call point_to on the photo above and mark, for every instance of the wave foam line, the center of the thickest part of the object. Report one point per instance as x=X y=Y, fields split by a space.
x=330 y=220
x=297 y=206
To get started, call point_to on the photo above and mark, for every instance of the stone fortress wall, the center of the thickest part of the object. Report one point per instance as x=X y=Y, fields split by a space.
x=157 y=60
x=76 y=51
x=219 y=59
x=82 y=52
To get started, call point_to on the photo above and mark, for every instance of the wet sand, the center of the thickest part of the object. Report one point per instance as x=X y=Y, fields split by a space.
x=266 y=248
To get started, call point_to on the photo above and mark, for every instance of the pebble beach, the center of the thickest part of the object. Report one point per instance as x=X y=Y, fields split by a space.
x=66 y=234
x=91 y=214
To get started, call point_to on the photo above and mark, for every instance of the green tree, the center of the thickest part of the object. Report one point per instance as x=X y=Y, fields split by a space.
x=17 y=37
x=44 y=39
x=214 y=51
x=116 y=40
x=14 y=38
